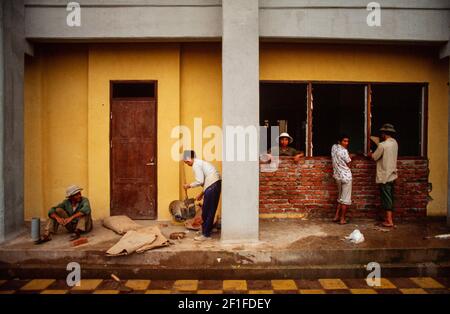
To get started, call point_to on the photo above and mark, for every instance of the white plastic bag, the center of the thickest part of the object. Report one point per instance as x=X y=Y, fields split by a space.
x=355 y=237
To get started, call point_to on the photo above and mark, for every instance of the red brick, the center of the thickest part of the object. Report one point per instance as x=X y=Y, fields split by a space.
x=309 y=185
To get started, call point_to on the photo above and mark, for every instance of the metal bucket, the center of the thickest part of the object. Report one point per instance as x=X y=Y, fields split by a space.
x=190 y=206
x=35 y=229
x=182 y=210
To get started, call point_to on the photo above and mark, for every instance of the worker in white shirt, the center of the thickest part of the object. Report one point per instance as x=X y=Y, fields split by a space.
x=206 y=176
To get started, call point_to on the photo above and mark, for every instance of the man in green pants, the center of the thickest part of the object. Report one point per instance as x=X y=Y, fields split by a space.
x=74 y=213
x=386 y=157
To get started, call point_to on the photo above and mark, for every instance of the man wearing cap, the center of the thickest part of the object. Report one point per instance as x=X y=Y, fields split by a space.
x=208 y=177
x=284 y=149
x=386 y=157
x=74 y=213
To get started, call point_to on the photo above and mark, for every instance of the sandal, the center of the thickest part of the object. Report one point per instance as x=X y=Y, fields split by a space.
x=43 y=240
x=74 y=236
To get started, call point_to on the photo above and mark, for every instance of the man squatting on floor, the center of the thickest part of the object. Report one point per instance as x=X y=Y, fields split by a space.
x=207 y=176
x=74 y=213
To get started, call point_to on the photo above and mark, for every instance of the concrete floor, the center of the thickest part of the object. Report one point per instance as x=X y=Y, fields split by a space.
x=288 y=247
x=274 y=235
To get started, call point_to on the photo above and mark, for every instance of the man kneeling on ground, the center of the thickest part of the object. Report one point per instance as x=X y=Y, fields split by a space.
x=74 y=213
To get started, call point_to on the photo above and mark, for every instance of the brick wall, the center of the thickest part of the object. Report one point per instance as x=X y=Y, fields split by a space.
x=309 y=187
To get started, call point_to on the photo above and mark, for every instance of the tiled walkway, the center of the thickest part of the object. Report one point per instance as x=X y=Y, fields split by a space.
x=422 y=285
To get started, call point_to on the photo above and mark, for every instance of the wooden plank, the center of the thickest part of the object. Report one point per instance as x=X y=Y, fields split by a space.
x=368 y=117
x=309 y=131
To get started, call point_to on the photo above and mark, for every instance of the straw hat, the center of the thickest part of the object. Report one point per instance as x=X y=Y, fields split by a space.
x=387 y=127
x=72 y=190
x=284 y=134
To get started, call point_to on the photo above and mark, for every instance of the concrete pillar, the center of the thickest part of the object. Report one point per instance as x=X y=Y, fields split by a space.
x=12 y=44
x=240 y=107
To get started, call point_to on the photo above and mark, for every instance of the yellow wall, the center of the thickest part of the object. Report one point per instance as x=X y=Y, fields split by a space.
x=67 y=106
x=201 y=95
x=67 y=120
x=67 y=111
x=132 y=62
x=55 y=125
x=374 y=63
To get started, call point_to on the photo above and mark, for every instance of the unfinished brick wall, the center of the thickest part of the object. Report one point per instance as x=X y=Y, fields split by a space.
x=309 y=187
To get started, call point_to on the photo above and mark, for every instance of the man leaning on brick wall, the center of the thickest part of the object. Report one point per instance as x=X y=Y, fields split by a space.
x=386 y=157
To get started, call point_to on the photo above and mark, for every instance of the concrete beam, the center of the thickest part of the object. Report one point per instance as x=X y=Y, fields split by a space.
x=445 y=51
x=397 y=4
x=11 y=118
x=126 y=3
x=240 y=107
x=112 y=20
x=29 y=48
x=134 y=20
x=405 y=21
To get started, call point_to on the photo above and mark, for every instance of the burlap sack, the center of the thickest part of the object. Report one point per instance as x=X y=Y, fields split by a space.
x=130 y=242
x=139 y=241
x=160 y=240
x=120 y=224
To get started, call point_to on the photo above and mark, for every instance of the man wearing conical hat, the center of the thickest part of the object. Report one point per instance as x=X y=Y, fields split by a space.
x=74 y=213
x=386 y=157
x=284 y=149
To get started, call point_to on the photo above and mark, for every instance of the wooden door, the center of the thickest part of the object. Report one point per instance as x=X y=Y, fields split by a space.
x=133 y=158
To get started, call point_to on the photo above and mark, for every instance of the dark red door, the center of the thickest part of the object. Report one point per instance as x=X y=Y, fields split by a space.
x=133 y=158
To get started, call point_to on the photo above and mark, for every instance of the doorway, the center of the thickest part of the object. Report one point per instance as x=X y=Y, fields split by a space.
x=133 y=152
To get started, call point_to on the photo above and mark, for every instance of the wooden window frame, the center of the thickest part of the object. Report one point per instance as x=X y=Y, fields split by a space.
x=367 y=112
x=112 y=84
x=309 y=120
x=423 y=141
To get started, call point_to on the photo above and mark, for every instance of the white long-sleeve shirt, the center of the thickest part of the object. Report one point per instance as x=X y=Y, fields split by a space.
x=205 y=174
